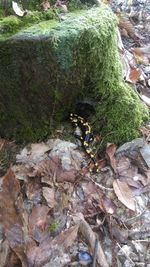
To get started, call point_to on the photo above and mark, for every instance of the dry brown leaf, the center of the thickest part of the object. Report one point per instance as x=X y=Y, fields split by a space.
x=45 y=5
x=33 y=190
x=124 y=194
x=8 y=257
x=3 y=142
x=49 y=195
x=38 y=222
x=10 y=217
x=34 y=154
x=145 y=130
x=52 y=168
x=49 y=250
x=110 y=152
x=67 y=237
x=108 y=205
x=39 y=148
x=145 y=99
x=142 y=50
x=119 y=43
x=124 y=23
x=134 y=75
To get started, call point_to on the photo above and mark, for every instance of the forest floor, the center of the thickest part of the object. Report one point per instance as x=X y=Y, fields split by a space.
x=54 y=211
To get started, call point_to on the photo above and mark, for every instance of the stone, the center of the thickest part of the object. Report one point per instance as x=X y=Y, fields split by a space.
x=46 y=67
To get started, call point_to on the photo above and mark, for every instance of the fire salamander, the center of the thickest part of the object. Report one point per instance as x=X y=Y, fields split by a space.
x=86 y=136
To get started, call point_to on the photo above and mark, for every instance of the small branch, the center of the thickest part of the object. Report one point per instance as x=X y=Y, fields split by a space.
x=127 y=256
x=101 y=186
x=95 y=253
x=91 y=238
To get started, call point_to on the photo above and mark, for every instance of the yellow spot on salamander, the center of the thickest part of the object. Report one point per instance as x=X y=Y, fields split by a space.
x=88 y=151
x=85 y=143
x=85 y=124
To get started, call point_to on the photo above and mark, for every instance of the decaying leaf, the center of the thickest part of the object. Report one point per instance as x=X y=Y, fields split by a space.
x=125 y=23
x=108 y=205
x=145 y=99
x=34 y=154
x=133 y=75
x=110 y=152
x=49 y=195
x=38 y=222
x=18 y=11
x=51 y=251
x=145 y=130
x=33 y=190
x=52 y=169
x=67 y=237
x=142 y=50
x=3 y=142
x=45 y=5
x=120 y=43
x=10 y=218
x=124 y=194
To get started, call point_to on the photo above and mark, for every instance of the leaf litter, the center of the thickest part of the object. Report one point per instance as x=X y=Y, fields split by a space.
x=51 y=208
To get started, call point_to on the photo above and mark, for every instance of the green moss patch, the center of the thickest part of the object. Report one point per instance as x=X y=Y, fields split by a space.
x=46 y=67
x=12 y=24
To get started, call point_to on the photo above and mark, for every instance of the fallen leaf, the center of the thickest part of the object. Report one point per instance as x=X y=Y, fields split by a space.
x=108 y=205
x=3 y=142
x=18 y=11
x=142 y=50
x=146 y=99
x=110 y=152
x=45 y=5
x=33 y=190
x=39 y=149
x=67 y=237
x=133 y=75
x=119 y=41
x=119 y=234
x=145 y=153
x=38 y=222
x=124 y=194
x=34 y=154
x=7 y=256
x=49 y=195
x=125 y=23
x=51 y=250
x=145 y=130
x=10 y=217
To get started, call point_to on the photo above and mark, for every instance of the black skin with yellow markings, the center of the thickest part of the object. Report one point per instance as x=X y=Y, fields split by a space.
x=87 y=136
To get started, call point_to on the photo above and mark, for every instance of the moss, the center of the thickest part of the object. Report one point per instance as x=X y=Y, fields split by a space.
x=12 y=24
x=51 y=64
x=119 y=112
x=53 y=227
x=119 y=115
x=75 y=5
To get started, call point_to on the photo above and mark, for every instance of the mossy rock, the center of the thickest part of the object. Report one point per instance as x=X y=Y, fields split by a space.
x=46 y=67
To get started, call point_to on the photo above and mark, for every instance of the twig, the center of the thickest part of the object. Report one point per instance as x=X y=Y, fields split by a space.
x=126 y=254
x=142 y=240
x=101 y=186
x=90 y=236
x=95 y=253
